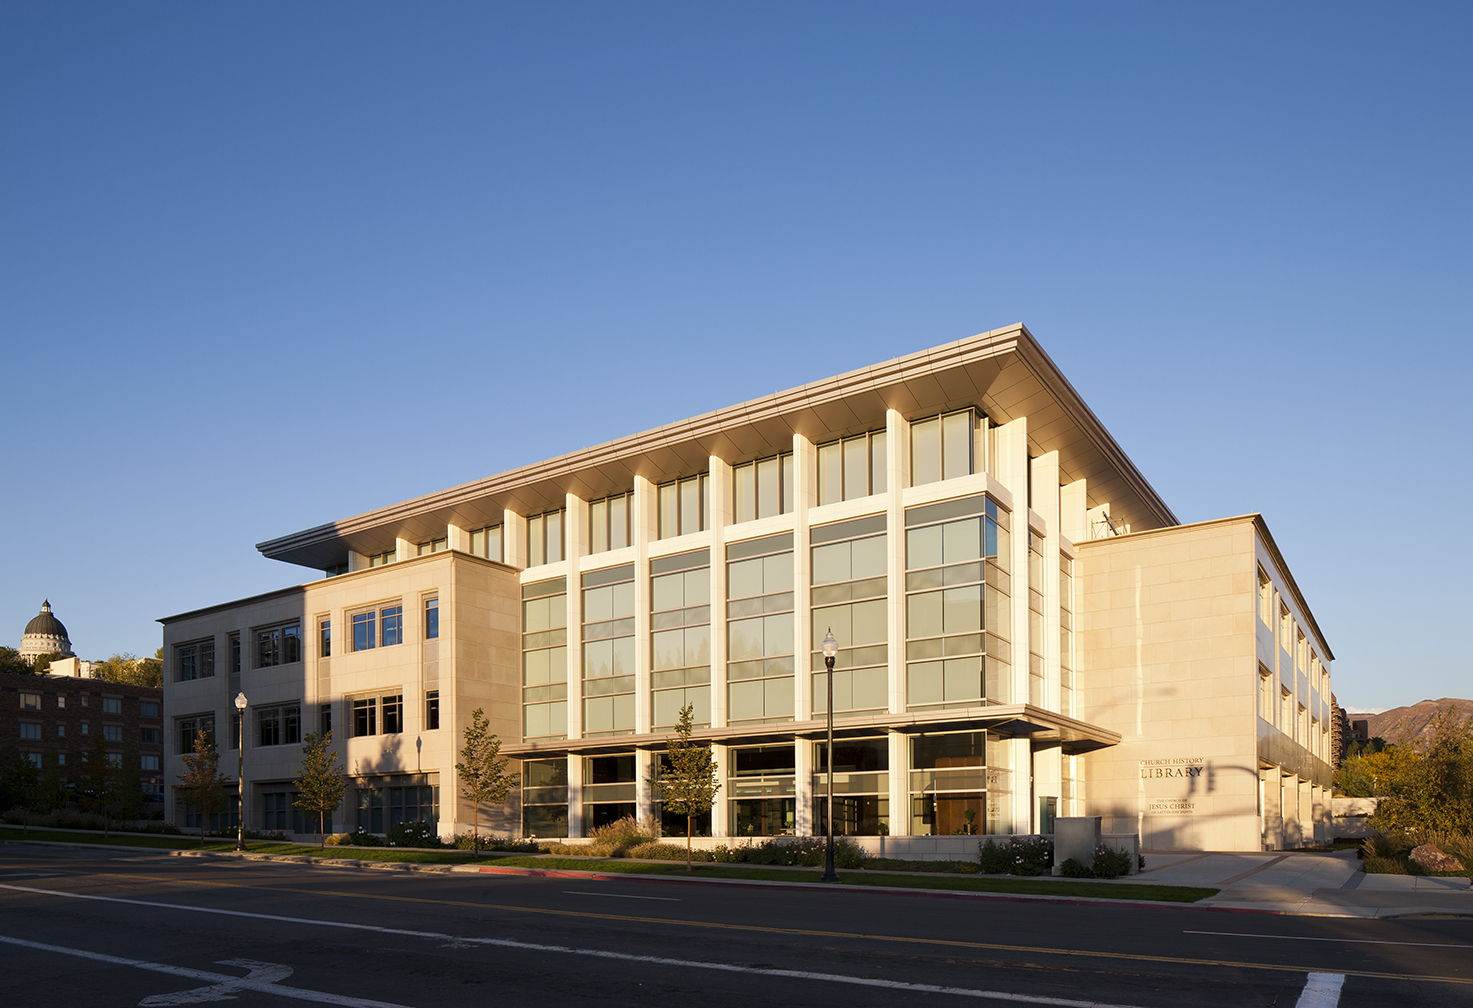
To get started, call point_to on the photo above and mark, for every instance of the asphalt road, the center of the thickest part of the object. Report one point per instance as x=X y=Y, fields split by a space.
x=100 y=929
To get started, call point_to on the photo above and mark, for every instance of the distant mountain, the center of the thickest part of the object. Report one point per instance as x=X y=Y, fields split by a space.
x=1406 y=724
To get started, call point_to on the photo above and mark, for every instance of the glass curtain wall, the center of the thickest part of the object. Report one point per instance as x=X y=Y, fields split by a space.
x=853 y=467
x=849 y=586
x=486 y=542
x=861 y=787
x=680 y=637
x=960 y=783
x=684 y=506
x=946 y=446
x=608 y=651
x=762 y=489
x=545 y=538
x=1037 y=688
x=761 y=782
x=545 y=797
x=956 y=604
x=759 y=611
x=672 y=825
x=545 y=659
x=608 y=790
x=608 y=523
x=1066 y=635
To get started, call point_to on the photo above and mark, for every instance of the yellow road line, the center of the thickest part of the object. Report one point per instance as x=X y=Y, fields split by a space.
x=806 y=933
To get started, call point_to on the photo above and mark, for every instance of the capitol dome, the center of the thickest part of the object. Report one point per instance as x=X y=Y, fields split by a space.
x=45 y=634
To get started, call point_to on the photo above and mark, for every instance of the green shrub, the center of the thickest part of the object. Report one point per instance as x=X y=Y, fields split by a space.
x=808 y=851
x=363 y=838
x=618 y=838
x=723 y=854
x=1029 y=855
x=1110 y=863
x=1384 y=866
x=1073 y=869
x=415 y=834
x=336 y=839
x=667 y=852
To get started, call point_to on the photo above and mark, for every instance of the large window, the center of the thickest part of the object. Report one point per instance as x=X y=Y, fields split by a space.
x=956 y=604
x=545 y=538
x=759 y=628
x=1066 y=636
x=432 y=546
x=380 y=559
x=545 y=659
x=393 y=707
x=279 y=725
x=853 y=467
x=609 y=523
x=1036 y=682
x=762 y=489
x=194 y=661
x=761 y=785
x=944 y=447
x=186 y=730
x=486 y=542
x=365 y=716
x=1265 y=600
x=608 y=789
x=849 y=589
x=279 y=645
x=960 y=783
x=684 y=506
x=432 y=618
x=861 y=787
x=30 y=701
x=432 y=709
x=374 y=627
x=608 y=651
x=680 y=636
x=30 y=730
x=324 y=636
x=545 y=797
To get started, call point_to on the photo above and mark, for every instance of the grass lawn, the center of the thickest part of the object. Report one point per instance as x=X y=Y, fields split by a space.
x=1024 y=886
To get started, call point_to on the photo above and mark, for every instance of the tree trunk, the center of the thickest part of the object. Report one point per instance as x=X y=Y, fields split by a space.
x=321 y=830
x=688 y=821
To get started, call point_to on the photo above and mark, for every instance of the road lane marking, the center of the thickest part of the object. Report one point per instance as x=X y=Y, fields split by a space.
x=714 y=925
x=220 y=980
x=1347 y=941
x=243 y=983
x=1321 y=991
x=614 y=895
x=260 y=971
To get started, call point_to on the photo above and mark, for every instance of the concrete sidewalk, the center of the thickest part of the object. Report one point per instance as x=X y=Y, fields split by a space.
x=1295 y=882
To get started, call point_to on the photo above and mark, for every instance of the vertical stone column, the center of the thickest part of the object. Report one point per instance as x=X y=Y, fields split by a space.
x=646 y=761
x=899 y=779
x=1011 y=466
x=721 y=808
x=805 y=473
x=720 y=519
x=897 y=478
x=403 y=548
x=357 y=561
x=1073 y=511
x=575 y=793
x=457 y=538
x=1273 y=821
x=805 y=790
x=1046 y=504
x=514 y=539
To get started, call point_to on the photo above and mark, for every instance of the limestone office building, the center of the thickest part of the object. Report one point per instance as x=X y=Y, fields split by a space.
x=1025 y=630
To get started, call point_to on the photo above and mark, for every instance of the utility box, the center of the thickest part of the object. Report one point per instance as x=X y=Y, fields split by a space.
x=1075 y=837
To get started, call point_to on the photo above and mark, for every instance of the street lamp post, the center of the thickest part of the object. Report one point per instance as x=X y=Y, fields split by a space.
x=830 y=652
x=240 y=707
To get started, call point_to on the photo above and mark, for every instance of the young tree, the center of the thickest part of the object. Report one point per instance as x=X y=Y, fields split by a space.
x=201 y=785
x=97 y=783
x=689 y=786
x=320 y=783
x=21 y=788
x=482 y=770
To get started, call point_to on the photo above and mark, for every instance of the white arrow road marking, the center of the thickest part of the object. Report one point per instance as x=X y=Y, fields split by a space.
x=262 y=972
x=239 y=983
x=1322 y=991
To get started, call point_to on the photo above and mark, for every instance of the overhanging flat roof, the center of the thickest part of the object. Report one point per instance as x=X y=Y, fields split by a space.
x=1005 y=372
x=1018 y=720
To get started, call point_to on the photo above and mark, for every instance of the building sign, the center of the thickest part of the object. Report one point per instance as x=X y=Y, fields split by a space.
x=1180 y=766
x=1178 y=774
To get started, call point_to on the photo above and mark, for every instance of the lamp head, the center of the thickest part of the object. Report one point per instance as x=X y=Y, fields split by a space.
x=830 y=646
x=240 y=701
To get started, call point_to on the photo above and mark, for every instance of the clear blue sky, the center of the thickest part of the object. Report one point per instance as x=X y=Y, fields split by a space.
x=267 y=265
